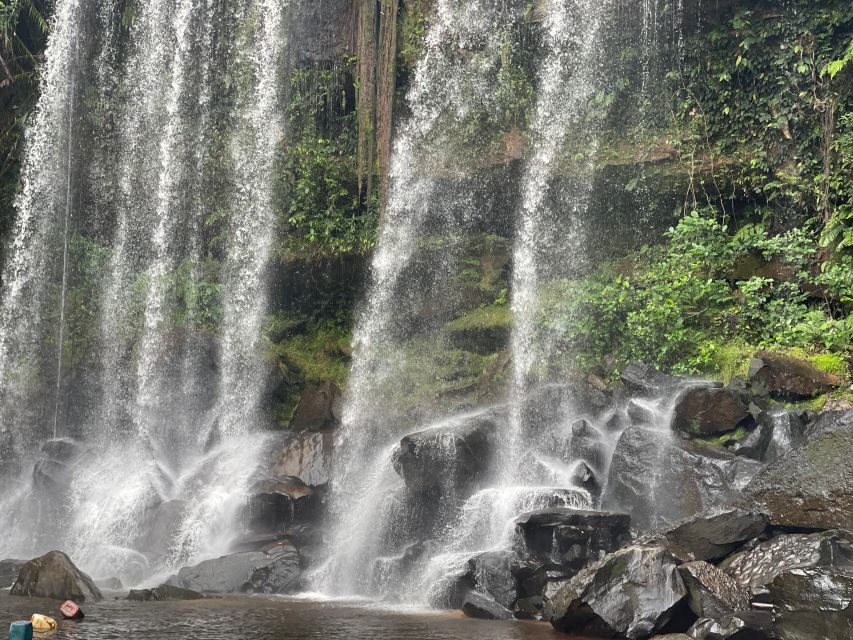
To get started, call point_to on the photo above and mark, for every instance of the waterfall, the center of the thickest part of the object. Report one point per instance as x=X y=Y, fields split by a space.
x=155 y=448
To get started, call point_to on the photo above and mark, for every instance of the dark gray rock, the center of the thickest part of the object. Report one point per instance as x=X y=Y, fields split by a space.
x=491 y=574
x=777 y=433
x=643 y=380
x=112 y=584
x=315 y=411
x=704 y=411
x=584 y=477
x=274 y=570
x=453 y=458
x=745 y=625
x=159 y=525
x=630 y=593
x=570 y=538
x=813 y=589
x=712 y=593
x=761 y=565
x=163 y=592
x=277 y=503
x=640 y=414
x=307 y=456
x=790 y=378
x=812 y=485
x=62 y=449
x=660 y=479
x=476 y=605
x=714 y=535
x=587 y=444
x=53 y=575
x=814 y=625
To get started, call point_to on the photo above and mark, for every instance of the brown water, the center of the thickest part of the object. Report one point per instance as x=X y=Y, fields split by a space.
x=245 y=618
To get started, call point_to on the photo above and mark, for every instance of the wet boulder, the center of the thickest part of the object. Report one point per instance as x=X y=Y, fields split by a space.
x=761 y=565
x=276 y=503
x=630 y=593
x=714 y=535
x=641 y=413
x=491 y=574
x=584 y=477
x=812 y=485
x=453 y=458
x=162 y=593
x=307 y=456
x=160 y=523
x=812 y=589
x=778 y=432
x=814 y=625
x=53 y=575
x=706 y=411
x=587 y=444
x=712 y=593
x=645 y=381
x=658 y=478
x=570 y=538
x=476 y=605
x=318 y=408
x=554 y=403
x=790 y=378
x=272 y=570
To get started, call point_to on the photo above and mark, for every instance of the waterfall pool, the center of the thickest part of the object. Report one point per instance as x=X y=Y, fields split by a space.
x=250 y=617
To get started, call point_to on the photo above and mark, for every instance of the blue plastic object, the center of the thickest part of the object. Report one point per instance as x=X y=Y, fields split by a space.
x=21 y=630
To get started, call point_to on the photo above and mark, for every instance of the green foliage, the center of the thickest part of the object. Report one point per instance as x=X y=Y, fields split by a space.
x=678 y=306
x=319 y=351
x=760 y=99
x=323 y=212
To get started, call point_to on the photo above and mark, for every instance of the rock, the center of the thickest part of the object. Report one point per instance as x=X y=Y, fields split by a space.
x=273 y=570
x=550 y=404
x=814 y=625
x=163 y=592
x=630 y=593
x=705 y=411
x=641 y=414
x=307 y=456
x=777 y=433
x=812 y=485
x=452 y=458
x=813 y=589
x=491 y=574
x=585 y=478
x=316 y=408
x=477 y=605
x=277 y=503
x=51 y=476
x=587 y=444
x=643 y=380
x=659 y=479
x=53 y=575
x=62 y=449
x=112 y=584
x=761 y=565
x=9 y=570
x=744 y=625
x=714 y=535
x=790 y=378
x=570 y=538
x=712 y=593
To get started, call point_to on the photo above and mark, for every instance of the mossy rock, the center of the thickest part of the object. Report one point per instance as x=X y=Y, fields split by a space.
x=485 y=330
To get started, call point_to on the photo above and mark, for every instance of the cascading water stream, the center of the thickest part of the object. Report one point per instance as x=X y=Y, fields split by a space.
x=155 y=457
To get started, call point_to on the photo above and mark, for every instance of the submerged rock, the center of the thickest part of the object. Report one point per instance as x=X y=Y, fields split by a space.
x=273 y=570
x=53 y=575
x=790 y=378
x=163 y=592
x=711 y=592
x=704 y=411
x=476 y=605
x=761 y=565
x=630 y=593
x=714 y=535
x=812 y=485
